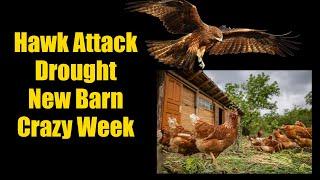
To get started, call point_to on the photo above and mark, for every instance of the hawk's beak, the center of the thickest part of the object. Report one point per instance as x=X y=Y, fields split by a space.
x=219 y=39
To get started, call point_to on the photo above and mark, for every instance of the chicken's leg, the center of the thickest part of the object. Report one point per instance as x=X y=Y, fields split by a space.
x=214 y=161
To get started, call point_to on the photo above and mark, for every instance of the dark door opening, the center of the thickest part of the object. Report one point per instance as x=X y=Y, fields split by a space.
x=220 y=116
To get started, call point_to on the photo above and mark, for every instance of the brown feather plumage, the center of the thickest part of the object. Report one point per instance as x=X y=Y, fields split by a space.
x=181 y=17
x=256 y=41
x=216 y=138
x=178 y=16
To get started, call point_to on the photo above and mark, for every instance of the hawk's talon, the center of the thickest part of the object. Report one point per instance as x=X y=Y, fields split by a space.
x=201 y=63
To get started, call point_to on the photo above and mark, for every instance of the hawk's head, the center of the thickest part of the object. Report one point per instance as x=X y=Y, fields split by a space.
x=216 y=33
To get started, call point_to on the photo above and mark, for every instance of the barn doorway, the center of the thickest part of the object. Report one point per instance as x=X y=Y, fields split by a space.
x=220 y=116
x=172 y=101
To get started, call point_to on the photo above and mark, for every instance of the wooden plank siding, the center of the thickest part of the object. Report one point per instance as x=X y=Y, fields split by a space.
x=172 y=100
x=206 y=114
x=188 y=107
x=181 y=98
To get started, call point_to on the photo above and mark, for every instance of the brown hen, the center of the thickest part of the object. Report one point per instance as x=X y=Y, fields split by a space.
x=284 y=140
x=294 y=131
x=214 y=139
x=178 y=139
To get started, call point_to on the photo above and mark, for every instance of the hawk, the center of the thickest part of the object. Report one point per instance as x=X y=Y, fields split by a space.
x=181 y=17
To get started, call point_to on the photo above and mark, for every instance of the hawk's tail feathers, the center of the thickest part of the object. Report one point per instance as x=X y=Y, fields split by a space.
x=172 y=52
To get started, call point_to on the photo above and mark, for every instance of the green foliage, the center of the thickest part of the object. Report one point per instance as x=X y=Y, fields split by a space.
x=308 y=98
x=196 y=165
x=273 y=120
x=259 y=91
x=269 y=122
x=253 y=96
x=296 y=114
x=178 y=164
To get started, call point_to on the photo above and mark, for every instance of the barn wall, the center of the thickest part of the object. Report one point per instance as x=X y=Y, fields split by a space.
x=187 y=107
x=205 y=114
x=189 y=103
x=227 y=114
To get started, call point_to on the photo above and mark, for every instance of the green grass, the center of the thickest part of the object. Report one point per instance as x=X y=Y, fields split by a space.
x=240 y=159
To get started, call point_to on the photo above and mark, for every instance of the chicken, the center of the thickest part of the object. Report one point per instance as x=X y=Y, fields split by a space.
x=183 y=145
x=266 y=144
x=299 y=123
x=173 y=131
x=295 y=131
x=276 y=145
x=304 y=142
x=284 y=140
x=295 y=135
x=178 y=139
x=256 y=141
x=299 y=133
x=214 y=139
x=265 y=148
x=165 y=137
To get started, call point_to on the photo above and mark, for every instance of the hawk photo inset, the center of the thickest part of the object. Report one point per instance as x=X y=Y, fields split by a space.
x=181 y=17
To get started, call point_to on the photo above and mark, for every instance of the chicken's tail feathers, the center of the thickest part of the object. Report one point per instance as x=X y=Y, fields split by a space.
x=172 y=52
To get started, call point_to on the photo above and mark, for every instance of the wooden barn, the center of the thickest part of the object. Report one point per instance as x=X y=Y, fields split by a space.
x=182 y=93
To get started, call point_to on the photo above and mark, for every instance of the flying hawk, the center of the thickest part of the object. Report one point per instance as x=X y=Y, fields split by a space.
x=181 y=17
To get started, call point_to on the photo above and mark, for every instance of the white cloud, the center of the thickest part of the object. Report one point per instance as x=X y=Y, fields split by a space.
x=294 y=84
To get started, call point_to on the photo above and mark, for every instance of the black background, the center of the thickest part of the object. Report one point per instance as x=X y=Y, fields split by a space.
x=136 y=78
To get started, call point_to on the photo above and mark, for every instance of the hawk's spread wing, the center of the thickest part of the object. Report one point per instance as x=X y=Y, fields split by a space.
x=242 y=40
x=178 y=16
